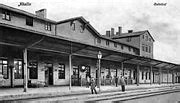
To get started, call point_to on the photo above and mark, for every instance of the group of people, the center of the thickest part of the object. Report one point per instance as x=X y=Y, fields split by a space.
x=91 y=82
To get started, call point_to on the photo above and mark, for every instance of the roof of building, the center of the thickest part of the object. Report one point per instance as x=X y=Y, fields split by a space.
x=91 y=28
x=133 y=34
x=24 y=13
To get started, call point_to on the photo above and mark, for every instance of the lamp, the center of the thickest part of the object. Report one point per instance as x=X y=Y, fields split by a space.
x=99 y=55
x=99 y=73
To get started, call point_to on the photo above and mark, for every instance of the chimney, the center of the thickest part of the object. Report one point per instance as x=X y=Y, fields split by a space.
x=112 y=31
x=119 y=30
x=108 y=33
x=130 y=31
x=41 y=13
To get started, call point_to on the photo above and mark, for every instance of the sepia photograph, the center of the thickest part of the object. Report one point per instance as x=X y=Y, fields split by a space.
x=89 y=51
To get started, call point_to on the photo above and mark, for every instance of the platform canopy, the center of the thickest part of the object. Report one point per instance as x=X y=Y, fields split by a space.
x=37 y=41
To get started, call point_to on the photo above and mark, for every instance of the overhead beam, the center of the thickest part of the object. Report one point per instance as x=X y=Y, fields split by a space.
x=10 y=44
x=127 y=59
x=106 y=55
x=80 y=49
x=156 y=64
x=31 y=44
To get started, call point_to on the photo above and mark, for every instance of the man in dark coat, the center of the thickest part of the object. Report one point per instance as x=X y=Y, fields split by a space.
x=93 y=86
x=122 y=82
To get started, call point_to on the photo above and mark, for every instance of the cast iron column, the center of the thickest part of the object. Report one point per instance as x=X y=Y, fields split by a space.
x=137 y=75
x=70 y=67
x=25 y=70
x=151 y=75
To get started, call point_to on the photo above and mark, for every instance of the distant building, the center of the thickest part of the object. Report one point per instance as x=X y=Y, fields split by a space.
x=140 y=39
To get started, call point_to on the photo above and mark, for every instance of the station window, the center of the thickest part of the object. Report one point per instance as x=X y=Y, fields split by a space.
x=107 y=42
x=99 y=40
x=146 y=48
x=149 y=49
x=115 y=45
x=128 y=39
x=146 y=37
x=143 y=48
x=129 y=48
x=143 y=36
x=48 y=26
x=29 y=21
x=18 y=70
x=73 y=26
x=122 y=47
x=33 y=70
x=150 y=39
x=3 y=69
x=6 y=15
x=61 y=73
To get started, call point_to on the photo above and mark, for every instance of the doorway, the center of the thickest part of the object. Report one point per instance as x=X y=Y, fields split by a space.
x=49 y=74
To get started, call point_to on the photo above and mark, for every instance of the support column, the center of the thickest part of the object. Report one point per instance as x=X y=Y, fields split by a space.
x=99 y=75
x=173 y=78
x=160 y=76
x=137 y=75
x=167 y=75
x=70 y=67
x=25 y=70
x=151 y=76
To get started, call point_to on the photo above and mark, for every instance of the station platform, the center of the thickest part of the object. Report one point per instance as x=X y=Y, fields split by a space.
x=59 y=91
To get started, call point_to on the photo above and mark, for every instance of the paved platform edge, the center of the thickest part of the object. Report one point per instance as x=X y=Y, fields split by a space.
x=61 y=94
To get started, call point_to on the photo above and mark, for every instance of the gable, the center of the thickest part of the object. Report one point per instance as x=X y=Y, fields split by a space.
x=76 y=30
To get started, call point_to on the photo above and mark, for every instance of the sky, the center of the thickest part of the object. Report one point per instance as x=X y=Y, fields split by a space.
x=162 y=21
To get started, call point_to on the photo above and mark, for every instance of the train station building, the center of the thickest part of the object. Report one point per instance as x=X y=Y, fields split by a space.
x=36 y=49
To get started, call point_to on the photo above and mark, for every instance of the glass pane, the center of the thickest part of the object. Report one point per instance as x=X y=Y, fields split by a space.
x=5 y=71
x=4 y=62
x=0 y=69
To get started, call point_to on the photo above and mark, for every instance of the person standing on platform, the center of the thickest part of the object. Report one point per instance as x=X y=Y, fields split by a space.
x=93 y=86
x=88 y=82
x=116 y=81
x=122 y=82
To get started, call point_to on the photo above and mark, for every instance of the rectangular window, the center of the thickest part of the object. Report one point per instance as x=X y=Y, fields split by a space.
x=146 y=38
x=4 y=69
x=18 y=70
x=33 y=70
x=128 y=39
x=48 y=26
x=149 y=49
x=99 y=40
x=142 y=75
x=29 y=21
x=146 y=48
x=129 y=48
x=143 y=48
x=115 y=45
x=61 y=73
x=6 y=15
x=73 y=26
x=143 y=36
x=107 y=42
x=122 y=47
x=149 y=75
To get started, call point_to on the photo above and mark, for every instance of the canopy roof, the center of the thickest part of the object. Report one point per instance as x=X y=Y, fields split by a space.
x=56 y=44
